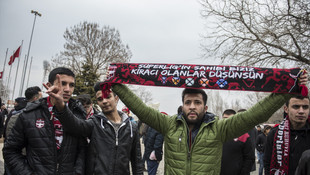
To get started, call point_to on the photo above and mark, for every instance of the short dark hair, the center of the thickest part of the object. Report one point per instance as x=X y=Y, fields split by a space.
x=266 y=128
x=241 y=110
x=85 y=99
x=300 y=97
x=31 y=92
x=195 y=91
x=229 y=112
x=61 y=71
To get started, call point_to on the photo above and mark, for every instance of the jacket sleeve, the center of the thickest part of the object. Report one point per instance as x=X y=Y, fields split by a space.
x=268 y=150
x=158 y=146
x=12 y=150
x=136 y=159
x=74 y=125
x=259 y=146
x=244 y=121
x=81 y=157
x=248 y=157
x=148 y=115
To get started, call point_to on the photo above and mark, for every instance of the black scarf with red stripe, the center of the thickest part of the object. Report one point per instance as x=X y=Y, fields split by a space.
x=205 y=77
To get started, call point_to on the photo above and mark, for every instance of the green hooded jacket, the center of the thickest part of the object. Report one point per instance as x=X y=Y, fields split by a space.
x=206 y=152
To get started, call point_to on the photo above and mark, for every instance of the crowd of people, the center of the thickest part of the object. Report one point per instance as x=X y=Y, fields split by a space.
x=59 y=134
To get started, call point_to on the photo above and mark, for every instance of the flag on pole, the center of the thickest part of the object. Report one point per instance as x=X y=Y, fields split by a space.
x=1 y=74
x=15 y=55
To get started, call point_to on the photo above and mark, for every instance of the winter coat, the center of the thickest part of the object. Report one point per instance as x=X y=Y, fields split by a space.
x=35 y=131
x=206 y=151
x=238 y=156
x=153 y=142
x=109 y=151
x=260 y=142
x=299 y=142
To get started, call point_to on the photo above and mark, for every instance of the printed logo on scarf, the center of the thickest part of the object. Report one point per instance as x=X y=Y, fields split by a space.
x=204 y=82
x=189 y=81
x=222 y=83
x=175 y=80
x=163 y=80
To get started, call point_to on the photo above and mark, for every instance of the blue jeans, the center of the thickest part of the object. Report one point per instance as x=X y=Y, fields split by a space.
x=261 y=162
x=152 y=166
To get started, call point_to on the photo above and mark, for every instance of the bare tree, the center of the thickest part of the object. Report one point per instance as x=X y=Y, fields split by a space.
x=87 y=44
x=258 y=32
x=143 y=93
x=254 y=97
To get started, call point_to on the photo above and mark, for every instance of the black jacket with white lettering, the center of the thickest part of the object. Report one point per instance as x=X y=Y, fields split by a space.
x=35 y=131
x=299 y=142
x=109 y=152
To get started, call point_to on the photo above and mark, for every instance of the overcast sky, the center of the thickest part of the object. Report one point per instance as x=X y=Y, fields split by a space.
x=157 y=31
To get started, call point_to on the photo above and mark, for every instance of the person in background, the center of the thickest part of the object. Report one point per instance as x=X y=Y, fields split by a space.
x=238 y=156
x=3 y=116
x=19 y=104
x=153 y=149
x=253 y=135
x=87 y=103
x=127 y=111
x=33 y=93
x=260 y=147
x=287 y=141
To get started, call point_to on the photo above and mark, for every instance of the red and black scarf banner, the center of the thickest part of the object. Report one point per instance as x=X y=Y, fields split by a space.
x=205 y=77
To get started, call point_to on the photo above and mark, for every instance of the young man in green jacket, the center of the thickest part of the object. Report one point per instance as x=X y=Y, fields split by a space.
x=194 y=138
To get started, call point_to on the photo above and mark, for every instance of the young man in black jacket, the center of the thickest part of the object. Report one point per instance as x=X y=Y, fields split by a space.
x=114 y=139
x=287 y=141
x=50 y=150
x=153 y=149
x=238 y=154
x=260 y=146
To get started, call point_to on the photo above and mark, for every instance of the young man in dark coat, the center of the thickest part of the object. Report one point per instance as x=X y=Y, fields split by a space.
x=50 y=149
x=287 y=141
x=260 y=147
x=114 y=139
x=153 y=149
x=238 y=156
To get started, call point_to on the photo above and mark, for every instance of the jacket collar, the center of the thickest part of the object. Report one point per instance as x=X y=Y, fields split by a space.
x=208 y=117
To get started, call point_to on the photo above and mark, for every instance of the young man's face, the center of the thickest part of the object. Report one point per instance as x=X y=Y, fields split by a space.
x=68 y=83
x=298 y=111
x=193 y=108
x=107 y=105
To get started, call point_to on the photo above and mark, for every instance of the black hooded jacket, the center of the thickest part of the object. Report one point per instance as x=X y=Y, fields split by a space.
x=35 y=131
x=109 y=151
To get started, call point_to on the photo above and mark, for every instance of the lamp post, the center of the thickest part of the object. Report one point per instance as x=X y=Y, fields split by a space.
x=25 y=70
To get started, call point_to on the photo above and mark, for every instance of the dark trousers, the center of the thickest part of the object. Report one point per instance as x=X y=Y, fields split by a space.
x=152 y=166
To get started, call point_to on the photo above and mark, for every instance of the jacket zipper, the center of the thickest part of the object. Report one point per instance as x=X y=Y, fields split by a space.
x=116 y=141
